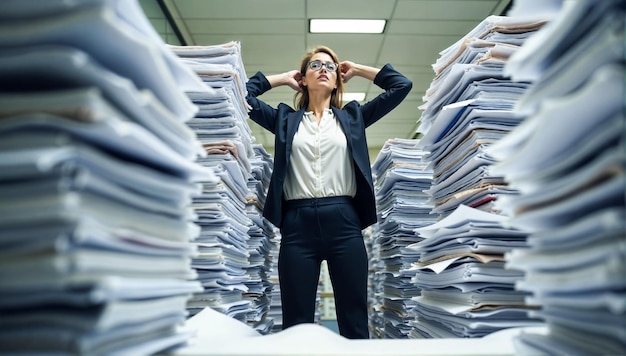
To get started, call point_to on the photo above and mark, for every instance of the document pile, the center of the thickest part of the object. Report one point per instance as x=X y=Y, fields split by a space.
x=568 y=160
x=235 y=239
x=97 y=176
x=400 y=177
x=466 y=291
x=469 y=107
x=261 y=243
x=275 y=312
x=376 y=320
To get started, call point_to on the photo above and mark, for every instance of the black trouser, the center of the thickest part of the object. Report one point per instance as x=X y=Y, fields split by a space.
x=323 y=229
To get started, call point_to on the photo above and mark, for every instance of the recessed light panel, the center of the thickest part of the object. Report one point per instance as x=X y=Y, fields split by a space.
x=346 y=26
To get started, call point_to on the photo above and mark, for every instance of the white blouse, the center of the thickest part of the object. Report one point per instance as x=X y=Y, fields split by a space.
x=320 y=164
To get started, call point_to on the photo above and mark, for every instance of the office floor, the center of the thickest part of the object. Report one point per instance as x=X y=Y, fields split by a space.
x=331 y=324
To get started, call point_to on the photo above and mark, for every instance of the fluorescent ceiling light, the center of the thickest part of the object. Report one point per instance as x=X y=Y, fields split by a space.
x=346 y=26
x=353 y=96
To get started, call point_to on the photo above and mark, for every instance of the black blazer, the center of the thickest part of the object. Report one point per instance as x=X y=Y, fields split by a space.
x=354 y=118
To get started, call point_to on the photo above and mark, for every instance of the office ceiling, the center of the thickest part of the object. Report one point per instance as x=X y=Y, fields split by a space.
x=274 y=36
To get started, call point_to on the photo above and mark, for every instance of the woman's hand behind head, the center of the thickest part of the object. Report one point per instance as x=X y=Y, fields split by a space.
x=293 y=79
x=346 y=68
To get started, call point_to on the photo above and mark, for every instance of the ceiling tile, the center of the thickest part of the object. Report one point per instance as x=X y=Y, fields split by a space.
x=436 y=10
x=360 y=48
x=414 y=50
x=456 y=28
x=350 y=9
x=246 y=26
x=259 y=49
x=240 y=9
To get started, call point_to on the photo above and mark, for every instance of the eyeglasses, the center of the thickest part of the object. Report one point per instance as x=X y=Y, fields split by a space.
x=317 y=65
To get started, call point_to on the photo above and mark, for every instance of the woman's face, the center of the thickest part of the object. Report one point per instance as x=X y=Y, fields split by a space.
x=322 y=79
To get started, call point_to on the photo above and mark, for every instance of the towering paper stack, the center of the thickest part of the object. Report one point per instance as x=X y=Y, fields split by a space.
x=466 y=289
x=261 y=244
x=568 y=161
x=235 y=240
x=469 y=106
x=401 y=179
x=97 y=175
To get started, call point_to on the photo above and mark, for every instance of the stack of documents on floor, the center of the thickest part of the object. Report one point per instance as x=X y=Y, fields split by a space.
x=223 y=241
x=261 y=243
x=568 y=160
x=401 y=177
x=466 y=291
x=275 y=312
x=97 y=176
x=235 y=239
x=375 y=295
x=469 y=107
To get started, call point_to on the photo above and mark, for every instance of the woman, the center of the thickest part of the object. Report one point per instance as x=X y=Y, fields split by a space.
x=321 y=193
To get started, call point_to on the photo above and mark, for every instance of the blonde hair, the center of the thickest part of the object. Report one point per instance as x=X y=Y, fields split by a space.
x=301 y=98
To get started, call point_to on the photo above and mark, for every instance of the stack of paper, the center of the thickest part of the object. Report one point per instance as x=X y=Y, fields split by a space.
x=466 y=291
x=275 y=312
x=469 y=107
x=401 y=177
x=235 y=240
x=375 y=298
x=568 y=160
x=261 y=243
x=97 y=175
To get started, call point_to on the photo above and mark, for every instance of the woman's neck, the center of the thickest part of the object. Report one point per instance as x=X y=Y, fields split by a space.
x=317 y=104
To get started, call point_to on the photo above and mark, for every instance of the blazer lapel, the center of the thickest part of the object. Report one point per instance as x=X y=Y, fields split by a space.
x=357 y=155
x=293 y=121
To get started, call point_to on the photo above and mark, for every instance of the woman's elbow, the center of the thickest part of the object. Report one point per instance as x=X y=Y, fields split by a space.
x=407 y=86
